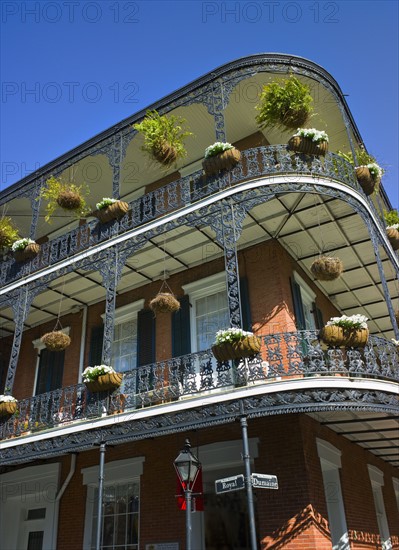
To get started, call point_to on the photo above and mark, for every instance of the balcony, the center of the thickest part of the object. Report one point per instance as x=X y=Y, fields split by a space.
x=291 y=363
x=261 y=162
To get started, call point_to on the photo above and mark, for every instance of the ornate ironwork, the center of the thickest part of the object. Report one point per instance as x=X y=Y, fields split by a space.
x=285 y=356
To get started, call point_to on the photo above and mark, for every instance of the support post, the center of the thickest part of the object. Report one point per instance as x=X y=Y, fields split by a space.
x=248 y=484
x=187 y=493
x=100 y=496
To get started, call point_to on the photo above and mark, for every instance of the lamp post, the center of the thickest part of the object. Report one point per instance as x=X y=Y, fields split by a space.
x=187 y=467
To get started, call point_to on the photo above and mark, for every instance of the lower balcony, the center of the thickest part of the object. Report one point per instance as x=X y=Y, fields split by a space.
x=290 y=363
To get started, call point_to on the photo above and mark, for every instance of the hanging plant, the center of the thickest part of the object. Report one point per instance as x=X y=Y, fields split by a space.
x=164 y=301
x=102 y=378
x=309 y=141
x=25 y=249
x=392 y=227
x=68 y=196
x=327 y=268
x=235 y=343
x=220 y=156
x=8 y=405
x=110 y=209
x=163 y=137
x=56 y=340
x=368 y=172
x=346 y=331
x=285 y=104
x=8 y=232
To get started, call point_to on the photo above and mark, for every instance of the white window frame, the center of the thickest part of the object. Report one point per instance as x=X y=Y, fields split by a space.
x=330 y=461
x=118 y=471
x=377 y=483
x=201 y=289
x=126 y=313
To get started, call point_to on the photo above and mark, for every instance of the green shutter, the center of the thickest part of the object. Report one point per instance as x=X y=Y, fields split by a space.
x=96 y=345
x=181 y=336
x=245 y=305
x=298 y=308
x=145 y=337
x=51 y=370
x=318 y=315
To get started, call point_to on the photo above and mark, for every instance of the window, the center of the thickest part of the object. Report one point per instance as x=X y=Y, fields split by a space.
x=377 y=482
x=209 y=311
x=124 y=345
x=50 y=368
x=121 y=505
x=304 y=303
x=330 y=460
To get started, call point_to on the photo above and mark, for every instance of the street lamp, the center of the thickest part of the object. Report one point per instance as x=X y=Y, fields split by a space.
x=187 y=467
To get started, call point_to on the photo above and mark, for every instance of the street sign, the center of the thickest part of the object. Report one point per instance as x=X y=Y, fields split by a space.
x=264 y=481
x=233 y=483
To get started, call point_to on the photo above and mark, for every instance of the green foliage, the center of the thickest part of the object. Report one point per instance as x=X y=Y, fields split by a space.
x=163 y=136
x=391 y=217
x=284 y=104
x=8 y=232
x=55 y=189
x=363 y=158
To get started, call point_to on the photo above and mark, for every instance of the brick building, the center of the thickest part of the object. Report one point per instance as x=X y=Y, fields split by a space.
x=236 y=248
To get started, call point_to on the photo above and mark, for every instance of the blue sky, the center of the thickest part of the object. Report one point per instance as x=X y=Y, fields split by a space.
x=70 y=68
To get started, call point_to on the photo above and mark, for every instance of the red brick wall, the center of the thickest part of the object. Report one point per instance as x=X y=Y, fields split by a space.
x=294 y=516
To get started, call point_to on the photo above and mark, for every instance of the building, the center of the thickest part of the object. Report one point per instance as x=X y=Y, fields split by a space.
x=236 y=247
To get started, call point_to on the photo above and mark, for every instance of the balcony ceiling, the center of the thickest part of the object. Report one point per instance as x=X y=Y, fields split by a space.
x=304 y=224
x=378 y=433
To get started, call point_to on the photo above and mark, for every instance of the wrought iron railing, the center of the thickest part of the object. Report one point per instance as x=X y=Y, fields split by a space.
x=285 y=355
x=258 y=162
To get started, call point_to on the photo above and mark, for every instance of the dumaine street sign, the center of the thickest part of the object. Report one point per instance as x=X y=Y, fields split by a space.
x=264 y=481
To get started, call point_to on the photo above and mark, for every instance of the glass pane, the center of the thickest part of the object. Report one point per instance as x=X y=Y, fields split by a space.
x=35 y=540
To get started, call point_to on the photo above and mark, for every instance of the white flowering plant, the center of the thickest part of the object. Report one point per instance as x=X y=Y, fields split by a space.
x=393 y=226
x=105 y=202
x=375 y=170
x=21 y=244
x=317 y=136
x=395 y=342
x=7 y=399
x=92 y=373
x=353 y=321
x=216 y=148
x=231 y=335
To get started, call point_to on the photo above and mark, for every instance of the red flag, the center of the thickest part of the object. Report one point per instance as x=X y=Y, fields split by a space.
x=197 y=499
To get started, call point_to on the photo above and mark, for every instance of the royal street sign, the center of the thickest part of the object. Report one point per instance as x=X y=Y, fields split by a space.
x=264 y=481
x=233 y=483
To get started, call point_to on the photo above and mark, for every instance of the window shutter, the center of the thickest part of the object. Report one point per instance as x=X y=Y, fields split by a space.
x=96 y=345
x=145 y=337
x=318 y=315
x=181 y=336
x=245 y=306
x=51 y=370
x=298 y=308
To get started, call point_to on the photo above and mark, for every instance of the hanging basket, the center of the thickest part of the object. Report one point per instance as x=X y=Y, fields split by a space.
x=114 y=211
x=70 y=200
x=29 y=252
x=327 y=268
x=397 y=317
x=365 y=179
x=105 y=382
x=223 y=161
x=56 y=340
x=166 y=154
x=247 y=347
x=164 y=302
x=8 y=408
x=393 y=237
x=301 y=144
x=333 y=335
